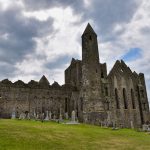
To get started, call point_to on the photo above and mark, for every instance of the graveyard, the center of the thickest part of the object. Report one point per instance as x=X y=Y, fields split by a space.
x=49 y=135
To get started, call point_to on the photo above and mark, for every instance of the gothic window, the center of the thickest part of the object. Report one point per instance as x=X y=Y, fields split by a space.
x=125 y=99
x=66 y=105
x=90 y=37
x=116 y=97
x=133 y=99
x=106 y=91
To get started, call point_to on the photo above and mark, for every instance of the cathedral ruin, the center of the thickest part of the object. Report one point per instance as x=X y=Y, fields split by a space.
x=96 y=96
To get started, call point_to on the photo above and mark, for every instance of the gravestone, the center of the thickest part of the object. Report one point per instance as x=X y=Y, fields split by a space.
x=73 y=116
x=66 y=116
x=37 y=116
x=132 y=126
x=42 y=117
x=54 y=117
x=60 y=117
x=50 y=115
x=34 y=114
x=73 y=119
x=114 y=126
x=145 y=127
x=47 y=116
x=22 y=116
x=28 y=116
x=13 y=116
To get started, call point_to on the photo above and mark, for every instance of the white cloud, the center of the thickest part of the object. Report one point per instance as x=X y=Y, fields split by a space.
x=64 y=41
x=5 y=4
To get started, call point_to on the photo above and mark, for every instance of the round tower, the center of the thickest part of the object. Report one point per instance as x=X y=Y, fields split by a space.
x=91 y=77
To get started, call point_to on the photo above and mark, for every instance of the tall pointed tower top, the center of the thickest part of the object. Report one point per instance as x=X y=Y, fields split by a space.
x=88 y=29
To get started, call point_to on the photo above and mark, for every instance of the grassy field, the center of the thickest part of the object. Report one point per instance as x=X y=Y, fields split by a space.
x=34 y=135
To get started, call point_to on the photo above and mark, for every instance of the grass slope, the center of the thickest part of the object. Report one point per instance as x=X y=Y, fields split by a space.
x=34 y=135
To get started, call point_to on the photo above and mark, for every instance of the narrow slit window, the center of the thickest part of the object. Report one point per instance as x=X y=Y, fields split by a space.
x=133 y=99
x=106 y=91
x=117 y=99
x=125 y=99
x=66 y=105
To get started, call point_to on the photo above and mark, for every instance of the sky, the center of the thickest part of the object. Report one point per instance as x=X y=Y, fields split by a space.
x=40 y=37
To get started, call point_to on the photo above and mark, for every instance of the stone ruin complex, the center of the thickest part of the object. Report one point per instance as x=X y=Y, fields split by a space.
x=119 y=97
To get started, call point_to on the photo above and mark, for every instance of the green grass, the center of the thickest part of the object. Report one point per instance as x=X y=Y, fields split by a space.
x=35 y=135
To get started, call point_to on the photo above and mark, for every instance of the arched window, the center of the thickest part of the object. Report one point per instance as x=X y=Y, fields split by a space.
x=125 y=99
x=106 y=91
x=133 y=99
x=117 y=99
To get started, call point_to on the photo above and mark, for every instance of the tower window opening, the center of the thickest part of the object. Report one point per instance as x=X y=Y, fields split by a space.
x=90 y=37
x=102 y=75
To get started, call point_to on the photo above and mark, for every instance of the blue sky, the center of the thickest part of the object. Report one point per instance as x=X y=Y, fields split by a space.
x=40 y=37
x=132 y=54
